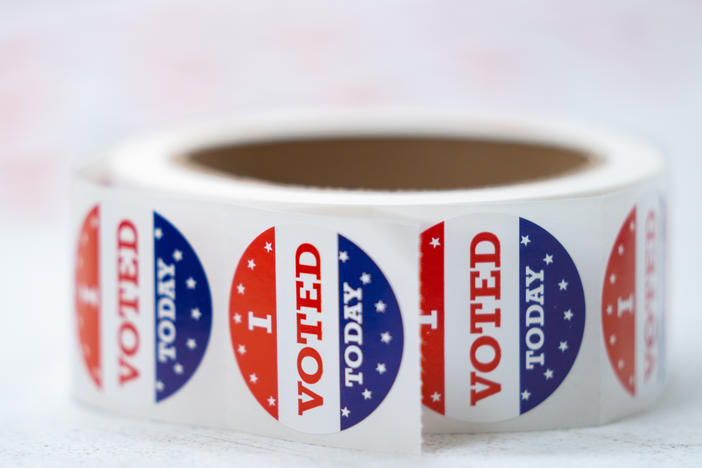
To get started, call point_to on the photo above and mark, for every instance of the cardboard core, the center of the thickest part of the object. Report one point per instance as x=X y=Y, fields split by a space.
x=391 y=163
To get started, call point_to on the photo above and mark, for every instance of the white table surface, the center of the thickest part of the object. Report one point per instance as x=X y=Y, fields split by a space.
x=78 y=76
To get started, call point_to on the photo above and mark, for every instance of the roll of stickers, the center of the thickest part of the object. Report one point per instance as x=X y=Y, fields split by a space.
x=357 y=279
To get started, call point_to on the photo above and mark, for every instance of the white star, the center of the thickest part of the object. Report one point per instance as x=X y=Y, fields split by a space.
x=271 y=401
x=195 y=313
x=609 y=309
x=612 y=278
x=380 y=368
x=568 y=314
x=365 y=278
x=159 y=386
x=385 y=337
x=190 y=282
x=435 y=242
x=158 y=233
x=548 y=259
x=436 y=396
x=191 y=343
x=252 y=264
x=177 y=255
x=240 y=288
x=525 y=241
x=94 y=222
x=367 y=394
x=345 y=412
x=343 y=256
x=612 y=339
x=548 y=374
x=253 y=378
x=380 y=306
x=621 y=249
x=563 y=346
x=90 y=296
x=84 y=238
x=236 y=317
x=620 y=364
x=268 y=247
x=525 y=394
x=632 y=226
x=241 y=349
x=563 y=285
x=178 y=368
x=631 y=380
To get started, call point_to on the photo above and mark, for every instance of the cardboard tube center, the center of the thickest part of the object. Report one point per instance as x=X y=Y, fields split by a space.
x=391 y=163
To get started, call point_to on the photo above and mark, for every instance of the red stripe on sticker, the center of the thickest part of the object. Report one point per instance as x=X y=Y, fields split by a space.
x=88 y=293
x=431 y=320
x=252 y=320
x=619 y=304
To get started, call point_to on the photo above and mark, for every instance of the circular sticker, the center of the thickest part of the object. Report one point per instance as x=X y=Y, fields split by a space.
x=315 y=327
x=183 y=309
x=632 y=304
x=502 y=316
x=87 y=293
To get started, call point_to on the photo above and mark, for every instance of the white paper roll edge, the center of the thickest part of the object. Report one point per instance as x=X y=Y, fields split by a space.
x=541 y=304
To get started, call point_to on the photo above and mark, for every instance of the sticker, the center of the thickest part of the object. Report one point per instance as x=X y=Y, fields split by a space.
x=632 y=299
x=502 y=316
x=87 y=293
x=183 y=309
x=315 y=327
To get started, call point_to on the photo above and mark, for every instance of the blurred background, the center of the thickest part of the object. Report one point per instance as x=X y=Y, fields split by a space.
x=77 y=77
